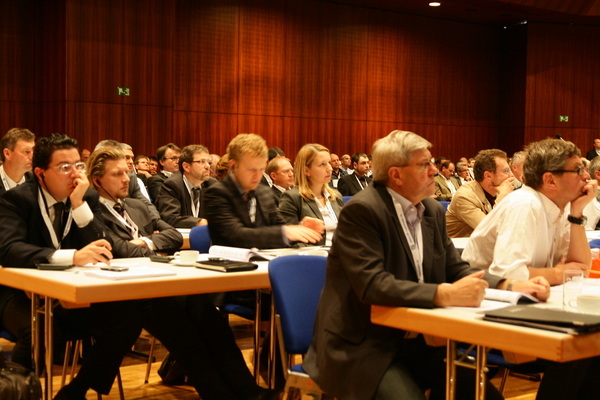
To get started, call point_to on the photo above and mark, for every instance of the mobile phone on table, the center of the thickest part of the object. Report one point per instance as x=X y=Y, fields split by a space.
x=114 y=268
x=53 y=267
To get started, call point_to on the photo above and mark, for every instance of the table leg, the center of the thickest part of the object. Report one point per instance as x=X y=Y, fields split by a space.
x=35 y=329
x=480 y=367
x=450 y=370
x=48 y=343
x=257 y=319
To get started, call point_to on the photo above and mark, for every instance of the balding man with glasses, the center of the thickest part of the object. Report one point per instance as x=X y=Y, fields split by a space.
x=180 y=198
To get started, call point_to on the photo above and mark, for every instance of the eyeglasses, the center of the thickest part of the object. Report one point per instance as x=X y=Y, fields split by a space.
x=424 y=166
x=580 y=170
x=503 y=171
x=171 y=158
x=67 y=168
x=202 y=162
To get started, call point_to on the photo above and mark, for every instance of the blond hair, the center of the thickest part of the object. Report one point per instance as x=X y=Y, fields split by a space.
x=247 y=144
x=305 y=158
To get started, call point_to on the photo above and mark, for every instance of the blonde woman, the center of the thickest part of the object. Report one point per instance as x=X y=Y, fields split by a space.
x=312 y=196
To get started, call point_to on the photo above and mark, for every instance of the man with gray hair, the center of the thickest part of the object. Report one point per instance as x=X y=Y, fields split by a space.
x=17 y=154
x=399 y=254
x=516 y=165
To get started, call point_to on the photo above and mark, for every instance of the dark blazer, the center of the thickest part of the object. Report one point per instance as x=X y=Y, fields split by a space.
x=28 y=176
x=276 y=194
x=166 y=240
x=591 y=155
x=136 y=193
x=349 y=186
x=175 y=204
x=229 y=219
x=293 y=207
x=155 y=182
x=373 y=265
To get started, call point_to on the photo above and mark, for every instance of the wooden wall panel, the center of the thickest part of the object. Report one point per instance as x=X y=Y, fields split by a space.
x=270 y=128
x=210 y=129
x=146 y=127
x=261 y=58
x=94 y=122
x=95 y=51
x=206 y=56
x=148 y=52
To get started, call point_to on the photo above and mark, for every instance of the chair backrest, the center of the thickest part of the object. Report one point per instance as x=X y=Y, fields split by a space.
x=200 y=238
x=296 y=282
x=445 y=204
x=347 y=198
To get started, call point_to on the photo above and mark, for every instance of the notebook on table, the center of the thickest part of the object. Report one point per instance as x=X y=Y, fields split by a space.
x=545 y=318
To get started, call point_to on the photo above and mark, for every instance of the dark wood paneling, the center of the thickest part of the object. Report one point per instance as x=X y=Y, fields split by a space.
x=146 y=127
x=91 y=122
x=210 y=129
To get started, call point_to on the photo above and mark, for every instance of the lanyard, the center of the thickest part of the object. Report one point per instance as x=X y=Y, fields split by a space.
x=48 y=222
x=415 y=249
x=360 y=184
x=127 y=222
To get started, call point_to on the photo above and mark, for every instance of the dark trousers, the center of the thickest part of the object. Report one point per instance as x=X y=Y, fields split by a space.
x=418 y=367
x=114 y=326
x=575 y=380
x=200 y=339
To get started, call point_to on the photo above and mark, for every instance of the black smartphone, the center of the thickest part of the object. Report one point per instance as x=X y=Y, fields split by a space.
x=162 y=259
x=114 y=268
x=53 y=267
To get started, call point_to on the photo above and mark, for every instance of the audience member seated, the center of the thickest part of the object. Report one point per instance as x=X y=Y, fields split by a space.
x=462 y=173
x=223 y=169
x=595 y=151
x=446 y=183
x=195 y=333
x=516 y=165
x=180 y=200
x=168 y=157
x=56 y=219
x=475 y=199
x=350 y=357
x=152 y=165
x=17 y=153
x=336 y=172
x=281 y=172
x=312 y=196
x=273 y=153
x=592 y=210
x=353 y=183
x=538 y=232
x=135 y=190
x=214 y=161
x=346 y=166
x=142 y=167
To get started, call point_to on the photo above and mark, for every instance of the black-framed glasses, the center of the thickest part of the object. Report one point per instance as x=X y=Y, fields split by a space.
x=202 y=162
x=66 y=168
x=580 y=170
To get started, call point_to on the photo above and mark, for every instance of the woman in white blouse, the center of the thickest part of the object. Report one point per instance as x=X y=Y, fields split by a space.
x=312 y=196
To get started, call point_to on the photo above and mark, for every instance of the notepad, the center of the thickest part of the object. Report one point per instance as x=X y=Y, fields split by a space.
x=133 y=273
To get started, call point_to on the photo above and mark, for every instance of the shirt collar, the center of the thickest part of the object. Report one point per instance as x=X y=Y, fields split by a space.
x=406 y=205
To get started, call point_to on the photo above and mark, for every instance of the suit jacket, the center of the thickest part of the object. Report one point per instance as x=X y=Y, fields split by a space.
x=293 y=207
x=175 y=204
x=349 y=186
x=28 y=176
x=24 y=237
x=442 y=190
x=590 y=155
x=136 y=193
x=229 y=219
x=155 y=182
x=276 y=195
x=166 y=240
x=374 y=265
x=466 y=210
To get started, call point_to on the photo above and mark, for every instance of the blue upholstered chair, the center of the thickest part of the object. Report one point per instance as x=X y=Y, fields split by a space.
x=445 y=204
x=346 y=199
x=296 y=282
x=200 y=238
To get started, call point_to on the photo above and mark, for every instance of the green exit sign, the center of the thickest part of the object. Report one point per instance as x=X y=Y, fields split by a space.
x=561 y=118
x=122 y=91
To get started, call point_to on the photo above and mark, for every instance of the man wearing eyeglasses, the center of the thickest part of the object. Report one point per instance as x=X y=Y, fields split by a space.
x=17 y=152
x=474 y=200
x=168 y=158
x=56 y=219
x=180 y=198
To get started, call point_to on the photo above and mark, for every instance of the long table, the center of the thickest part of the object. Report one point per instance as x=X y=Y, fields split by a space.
x=74 y=289
x=467 y=326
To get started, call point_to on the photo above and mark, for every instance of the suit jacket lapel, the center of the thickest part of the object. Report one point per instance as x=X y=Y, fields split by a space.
x=238 y=202
x=314 y=208
x=427 y=229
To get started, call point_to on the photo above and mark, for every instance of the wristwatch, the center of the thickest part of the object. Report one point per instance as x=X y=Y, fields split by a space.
x=577 y=221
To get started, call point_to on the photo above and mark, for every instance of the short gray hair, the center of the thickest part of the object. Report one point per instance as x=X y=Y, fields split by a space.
x=395 y=150
x=518 y=158
x=546 y=156
x=594 y=166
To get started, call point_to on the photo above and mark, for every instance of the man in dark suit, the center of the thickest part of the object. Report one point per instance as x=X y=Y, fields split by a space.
x=189 y=326
x=168 y=158
x=242 y=213
x=595 y=152
x=337 y=172
x=282 y=175
x=353 y=183
x=17 y=153
x=56 y=219
x=181 y=196
x=398 y=254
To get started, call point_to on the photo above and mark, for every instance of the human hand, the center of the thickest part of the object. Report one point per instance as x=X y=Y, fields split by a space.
x=588 y=193
x=81 y=184
x=466 y=292
x=299 y=233
x=95 y=252
x=202 y=221
x=538 y=287
x=505 y=187
x=315 y=224
x=561 y=267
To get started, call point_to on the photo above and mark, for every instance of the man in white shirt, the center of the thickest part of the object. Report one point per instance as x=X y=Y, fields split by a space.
x=17 y=153
x=516 y=165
